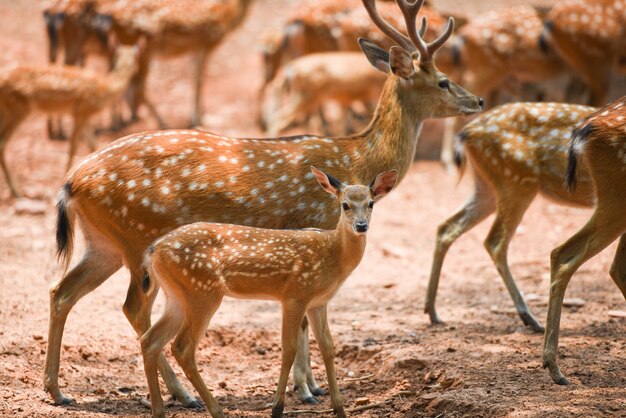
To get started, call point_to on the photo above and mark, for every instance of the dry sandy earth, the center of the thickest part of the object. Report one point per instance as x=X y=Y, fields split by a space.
x=482 y=363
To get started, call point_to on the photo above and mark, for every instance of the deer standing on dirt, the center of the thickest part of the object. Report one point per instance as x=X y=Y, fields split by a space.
x=60 y=90
x=590 y=36
x=515 y=151
x=145 y=185
x=601 y=140
x=312 y=80
x=302 y=269
x=509 y=40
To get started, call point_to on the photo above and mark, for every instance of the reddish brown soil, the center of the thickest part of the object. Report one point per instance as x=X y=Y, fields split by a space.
x=481 y=363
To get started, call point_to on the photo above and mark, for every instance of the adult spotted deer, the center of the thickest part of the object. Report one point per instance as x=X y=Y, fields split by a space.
x=144 y=185
x=60 y=90
x=302 y=269
x=515 y=151
x=601 y=141
x=590 y=36
x=308 y=82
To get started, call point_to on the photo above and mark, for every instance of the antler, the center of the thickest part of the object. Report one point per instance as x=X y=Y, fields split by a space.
x=414 y=42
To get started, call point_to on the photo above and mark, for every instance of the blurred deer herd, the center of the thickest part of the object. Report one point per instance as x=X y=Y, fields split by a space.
x=540 y=71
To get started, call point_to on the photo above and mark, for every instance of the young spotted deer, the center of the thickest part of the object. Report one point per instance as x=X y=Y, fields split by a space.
x=590 y=36
x=601 y=141
x=146 y=184
x=515 y=151
x=60 y=90
x=302 y=269
x=312 y=80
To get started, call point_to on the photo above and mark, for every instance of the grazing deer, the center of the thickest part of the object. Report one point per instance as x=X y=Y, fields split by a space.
x=590 y=36
x=60 y=90
x=147 y=184
x=75 y=27
x=509 y=40
x=302 y=269
x=601 y=140
x=312 y=80
x=515 y=151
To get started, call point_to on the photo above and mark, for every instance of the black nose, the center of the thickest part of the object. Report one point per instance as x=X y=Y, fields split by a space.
x=361 y=227
x=481 y=102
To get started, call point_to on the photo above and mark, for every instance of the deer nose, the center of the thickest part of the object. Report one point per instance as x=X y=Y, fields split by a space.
x=361 y=226
x=481 y=102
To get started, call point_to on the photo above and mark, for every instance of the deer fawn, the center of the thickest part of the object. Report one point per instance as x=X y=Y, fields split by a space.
x=509 y=40
x=314 y=79
x=147 y=184
x=601 y=140
x=589 y=35
x=515 y=151
x=60 y=90
x=301 y=269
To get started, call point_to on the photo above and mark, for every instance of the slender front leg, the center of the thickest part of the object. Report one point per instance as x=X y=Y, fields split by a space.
x=293 y=312
x=201 y=59
x=602 y=229
x=304 y=381
x=618 y=268
x=319 y=323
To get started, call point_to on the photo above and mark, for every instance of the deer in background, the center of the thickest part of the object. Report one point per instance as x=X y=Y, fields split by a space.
x=312 y=80
x=601 y=140
x=302 y=269
x=60 y=90
x=590 y=36
x=509 y=40
x=145 y=185
x=75 y=27
x=515 y=151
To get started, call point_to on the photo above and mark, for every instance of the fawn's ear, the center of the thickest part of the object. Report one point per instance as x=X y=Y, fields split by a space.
x=383 y=184
x=400 y=62
x=328 y=182
x=377 y=56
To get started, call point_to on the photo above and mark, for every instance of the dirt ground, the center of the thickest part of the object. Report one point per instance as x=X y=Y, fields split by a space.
x=483 y=362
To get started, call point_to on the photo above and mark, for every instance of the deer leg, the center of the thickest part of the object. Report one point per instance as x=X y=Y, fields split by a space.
x=450 y=127
x=292 y=318
x=97 y=265
x=319 y=323
x=55 y=128
x=618 y=268
x=602 y=229
x=201 y=60
x=77 y=129
x=510 y=210
x=184 y=349
x=137 y=308
x=304 y=381
x=478 y=207
x=9 y=124
x=152 y=343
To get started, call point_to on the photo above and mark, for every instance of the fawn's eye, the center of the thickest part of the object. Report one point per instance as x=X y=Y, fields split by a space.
x=345 y=206
x=444 y=84
x=371 y=205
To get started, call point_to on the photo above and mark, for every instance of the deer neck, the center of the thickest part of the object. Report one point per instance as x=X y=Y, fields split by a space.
x=119 y=78
x=348 y=248
x=391 y=137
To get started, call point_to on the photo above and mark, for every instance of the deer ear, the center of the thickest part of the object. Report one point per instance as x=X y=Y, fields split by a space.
x=383 y=184
x=401 y=62
x=377 y=56
x=328 y=182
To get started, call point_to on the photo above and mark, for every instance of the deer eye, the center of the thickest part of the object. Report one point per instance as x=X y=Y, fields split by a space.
x=345 y=206
x=371 y=205
x=444 y=84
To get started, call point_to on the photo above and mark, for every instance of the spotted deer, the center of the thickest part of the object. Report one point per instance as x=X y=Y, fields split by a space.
x=198 y=264
x=60 y=90
x=309 y=82
x=509 y=40
x=589 y=35
x=600 y=140
x=331 y=25
x=147 y=184
x=515 y=151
